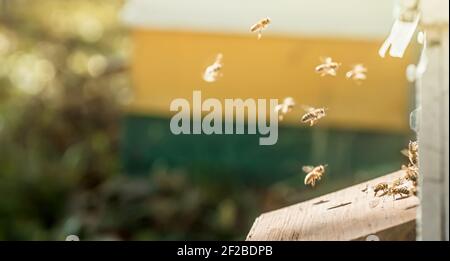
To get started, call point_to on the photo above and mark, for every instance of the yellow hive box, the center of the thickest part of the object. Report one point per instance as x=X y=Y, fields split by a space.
x=168 y=63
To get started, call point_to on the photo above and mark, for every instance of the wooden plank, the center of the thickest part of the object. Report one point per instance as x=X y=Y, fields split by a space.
x=348 y=214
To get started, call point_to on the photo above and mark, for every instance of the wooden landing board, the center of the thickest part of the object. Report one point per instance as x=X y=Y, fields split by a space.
x=348 y=214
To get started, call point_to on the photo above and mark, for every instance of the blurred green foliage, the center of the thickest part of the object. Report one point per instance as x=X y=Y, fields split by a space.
x=60 y=82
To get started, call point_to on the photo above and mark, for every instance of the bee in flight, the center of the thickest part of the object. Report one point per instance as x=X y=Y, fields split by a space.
x=412 y=152
x=328 y=67
x=358 y=73
x=312 y=115
x=213 y=71
x=314 y=174
x=260 y=26
x=285 y=107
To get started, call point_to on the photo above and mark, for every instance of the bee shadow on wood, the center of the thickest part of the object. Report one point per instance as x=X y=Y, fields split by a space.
x=402 y=198
x=340 y=205
x=320 y=202
x=411 y=207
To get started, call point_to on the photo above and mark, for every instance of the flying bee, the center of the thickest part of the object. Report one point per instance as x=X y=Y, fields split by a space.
x=411 y=173
x=412 y=152
x=312 y=115
x=383 y=187
x=402 y=191
x=358 y=73
x=260 y=26
x=328 y=67
x=213 y=71
x=285 y=107
x=314 y=174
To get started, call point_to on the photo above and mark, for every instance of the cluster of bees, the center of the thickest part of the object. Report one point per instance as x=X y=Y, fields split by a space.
x=328 y=67
x=406 y=185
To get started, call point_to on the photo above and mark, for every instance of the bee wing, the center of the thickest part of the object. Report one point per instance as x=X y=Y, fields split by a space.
x=307 y=180
x=219 y=58
x=359 y=67
x=405 y=152
x=360 y=76
x=208 y=75
x=279 y=107
x=255 y=27
x=319 y=68
x=289 y=101
x=307 y=108
x=325 y=59
x=349 y=74
x=307 y=169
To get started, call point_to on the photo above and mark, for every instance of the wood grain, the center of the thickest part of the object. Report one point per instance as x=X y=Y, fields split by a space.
x=348 y=214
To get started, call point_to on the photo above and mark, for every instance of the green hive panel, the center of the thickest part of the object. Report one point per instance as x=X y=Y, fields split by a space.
x=349 y=154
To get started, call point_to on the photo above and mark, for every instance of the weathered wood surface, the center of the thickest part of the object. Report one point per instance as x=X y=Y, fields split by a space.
x=348 y=214
x=433 y=136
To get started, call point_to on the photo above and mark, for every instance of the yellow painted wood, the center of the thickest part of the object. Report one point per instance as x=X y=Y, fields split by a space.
x=168 y=65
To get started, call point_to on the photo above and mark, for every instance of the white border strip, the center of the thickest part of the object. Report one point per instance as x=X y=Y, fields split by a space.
x=334 y=18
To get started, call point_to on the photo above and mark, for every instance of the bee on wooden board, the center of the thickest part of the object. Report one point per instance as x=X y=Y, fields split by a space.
x=260 y=26
x=312 y=115
x=285 y=107
x=314 y=174
x=413 y=191
x=411 y=173
x=412 y=152
x=381 y=187
x=328 y=67
x=402 y=191
x=357 y=73
x=213 y=71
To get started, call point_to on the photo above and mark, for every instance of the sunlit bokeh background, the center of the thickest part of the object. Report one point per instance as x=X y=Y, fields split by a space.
x=85 y=88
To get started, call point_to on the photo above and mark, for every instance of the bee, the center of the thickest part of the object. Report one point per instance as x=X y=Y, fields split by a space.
x=314 y=174
x=260 y=26
x=412 y=152
x=413 y=191
x=383 y=187
x=358 y=73
x=411 y=173
x=285 y=107
x=312 y=115
x=402 y=191
x=397 y=182
x=213 y=71
x=328 y=67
